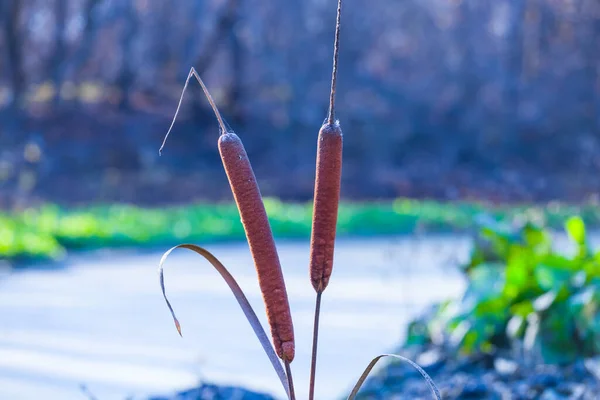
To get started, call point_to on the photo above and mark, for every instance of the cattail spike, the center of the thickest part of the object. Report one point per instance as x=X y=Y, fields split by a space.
x=325 y=209
x=262 y=244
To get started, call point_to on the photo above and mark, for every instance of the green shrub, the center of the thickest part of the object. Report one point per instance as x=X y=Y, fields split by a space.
x=45 y=231
x=18 y=240
x=523 y=293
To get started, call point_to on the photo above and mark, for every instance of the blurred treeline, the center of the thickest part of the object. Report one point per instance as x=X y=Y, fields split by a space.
x=438 y=98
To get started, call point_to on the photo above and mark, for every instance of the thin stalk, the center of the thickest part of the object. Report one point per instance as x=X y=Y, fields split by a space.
x=288 y=372
x=194 y=74
x=336 y=53
x=313 y=363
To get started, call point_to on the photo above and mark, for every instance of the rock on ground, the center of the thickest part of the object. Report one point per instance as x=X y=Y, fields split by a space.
x=483 y=377
x=215 y=392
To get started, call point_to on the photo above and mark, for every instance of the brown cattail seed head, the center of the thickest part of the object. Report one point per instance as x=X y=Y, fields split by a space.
x=325 y=212
x=262 y=245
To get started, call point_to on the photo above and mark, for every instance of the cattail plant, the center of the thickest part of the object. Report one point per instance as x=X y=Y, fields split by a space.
x=258 y=233
x=326 y=200
x=262 y=245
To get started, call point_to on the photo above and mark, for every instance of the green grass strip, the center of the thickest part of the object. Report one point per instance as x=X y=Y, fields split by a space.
x=47 y=232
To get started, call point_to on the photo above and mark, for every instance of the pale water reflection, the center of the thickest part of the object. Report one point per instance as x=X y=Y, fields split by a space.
x=102 y=322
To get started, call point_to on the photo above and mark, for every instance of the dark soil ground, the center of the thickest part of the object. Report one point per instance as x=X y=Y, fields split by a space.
x=483 y=377
x=480 y=377
x=214 y=392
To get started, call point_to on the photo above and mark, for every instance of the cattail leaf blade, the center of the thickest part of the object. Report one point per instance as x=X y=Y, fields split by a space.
x=239 y=296
x=161 y=276
x=365 y=374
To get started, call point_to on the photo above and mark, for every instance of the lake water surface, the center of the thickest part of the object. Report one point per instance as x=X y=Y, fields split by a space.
x=101 y=320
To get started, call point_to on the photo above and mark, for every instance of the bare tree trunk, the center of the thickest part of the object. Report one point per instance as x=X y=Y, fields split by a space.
x=592 y=67
x=531 y=39
x=126 y=78
x=58 y=60
x=11 y=11
x=235 y=93
x=86 y=42
x=12 y=119
x=514 y=67
x=191 y=42
x=211 y=45
x=225 y=24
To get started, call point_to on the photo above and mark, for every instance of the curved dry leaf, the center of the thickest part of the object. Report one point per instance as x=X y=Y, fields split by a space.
x=239 y=296
x=363 y=377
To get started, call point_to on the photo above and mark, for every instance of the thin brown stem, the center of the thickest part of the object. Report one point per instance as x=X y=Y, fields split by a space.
x=313 y=362
x=336 y=52
x=288 y=372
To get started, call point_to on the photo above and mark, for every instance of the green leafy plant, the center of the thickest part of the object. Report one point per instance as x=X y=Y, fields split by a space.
x=18 y=240
x=262 y=245
x=524 y=293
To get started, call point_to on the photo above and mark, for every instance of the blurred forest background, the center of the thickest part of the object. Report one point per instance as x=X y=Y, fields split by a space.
x=445 y=99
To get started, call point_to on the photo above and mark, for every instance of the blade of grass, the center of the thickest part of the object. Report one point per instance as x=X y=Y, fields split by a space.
x=241 y=299
x=363 y=377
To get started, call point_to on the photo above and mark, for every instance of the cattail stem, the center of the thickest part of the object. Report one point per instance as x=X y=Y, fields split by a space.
x=313 y=363
x=336 y=53
x=288 y=371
